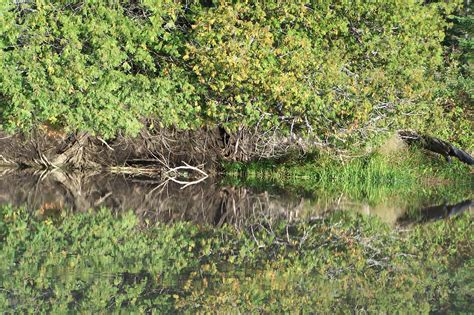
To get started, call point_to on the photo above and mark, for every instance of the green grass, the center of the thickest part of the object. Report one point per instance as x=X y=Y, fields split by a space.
x=373 y=178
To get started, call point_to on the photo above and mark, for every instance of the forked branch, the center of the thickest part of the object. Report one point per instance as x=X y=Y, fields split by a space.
x=172 y=174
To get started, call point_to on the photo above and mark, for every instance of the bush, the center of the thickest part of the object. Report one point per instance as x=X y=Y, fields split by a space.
x=97 y=66
x=459 y=92
x=330 y=68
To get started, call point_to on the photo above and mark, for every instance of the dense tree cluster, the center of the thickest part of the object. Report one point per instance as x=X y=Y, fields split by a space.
x=329 y=68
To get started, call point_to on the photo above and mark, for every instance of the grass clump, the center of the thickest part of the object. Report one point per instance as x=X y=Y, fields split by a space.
x=373 y=177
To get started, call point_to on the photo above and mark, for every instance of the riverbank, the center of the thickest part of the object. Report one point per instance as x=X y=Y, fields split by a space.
x=394 y=182
x=217 y=152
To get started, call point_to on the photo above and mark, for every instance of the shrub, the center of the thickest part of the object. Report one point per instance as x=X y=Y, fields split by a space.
x=327 y=68
x=96 y=66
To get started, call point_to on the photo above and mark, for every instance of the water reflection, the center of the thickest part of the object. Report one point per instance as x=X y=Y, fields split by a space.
x=206 y=203
x=438 y=212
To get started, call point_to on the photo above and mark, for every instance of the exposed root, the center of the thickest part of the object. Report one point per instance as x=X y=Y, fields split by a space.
x=44 y=162
x=7 y=162
x=206 y=147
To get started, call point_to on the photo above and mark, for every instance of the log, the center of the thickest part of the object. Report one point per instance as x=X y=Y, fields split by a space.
x=436 y=145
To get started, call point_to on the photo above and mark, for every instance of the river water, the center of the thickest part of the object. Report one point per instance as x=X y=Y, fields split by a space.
x=211 y=202
x=108 y=265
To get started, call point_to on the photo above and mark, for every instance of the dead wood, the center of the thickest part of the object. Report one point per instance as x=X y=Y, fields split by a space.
x=446 y=149
x=207 y=146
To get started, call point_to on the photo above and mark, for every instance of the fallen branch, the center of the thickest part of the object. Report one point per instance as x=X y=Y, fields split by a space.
x=436 y=145
x=172 y=174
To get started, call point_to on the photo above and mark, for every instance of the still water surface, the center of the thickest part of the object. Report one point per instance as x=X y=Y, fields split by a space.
x=207 y=203
x=307 y=264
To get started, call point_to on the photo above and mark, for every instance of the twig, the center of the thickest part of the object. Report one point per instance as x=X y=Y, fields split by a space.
x=102 y=199
x=105 y=143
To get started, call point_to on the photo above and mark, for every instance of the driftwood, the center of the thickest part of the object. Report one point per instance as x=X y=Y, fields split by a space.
x=436 y=145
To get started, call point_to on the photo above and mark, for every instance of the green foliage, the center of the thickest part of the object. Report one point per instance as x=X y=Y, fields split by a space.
x=96 y=66
x=459 y=88
x=330 y=68
x=327 y=65
x=101 y=263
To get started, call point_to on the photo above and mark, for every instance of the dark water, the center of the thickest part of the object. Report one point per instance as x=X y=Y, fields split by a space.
x=209 y=202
